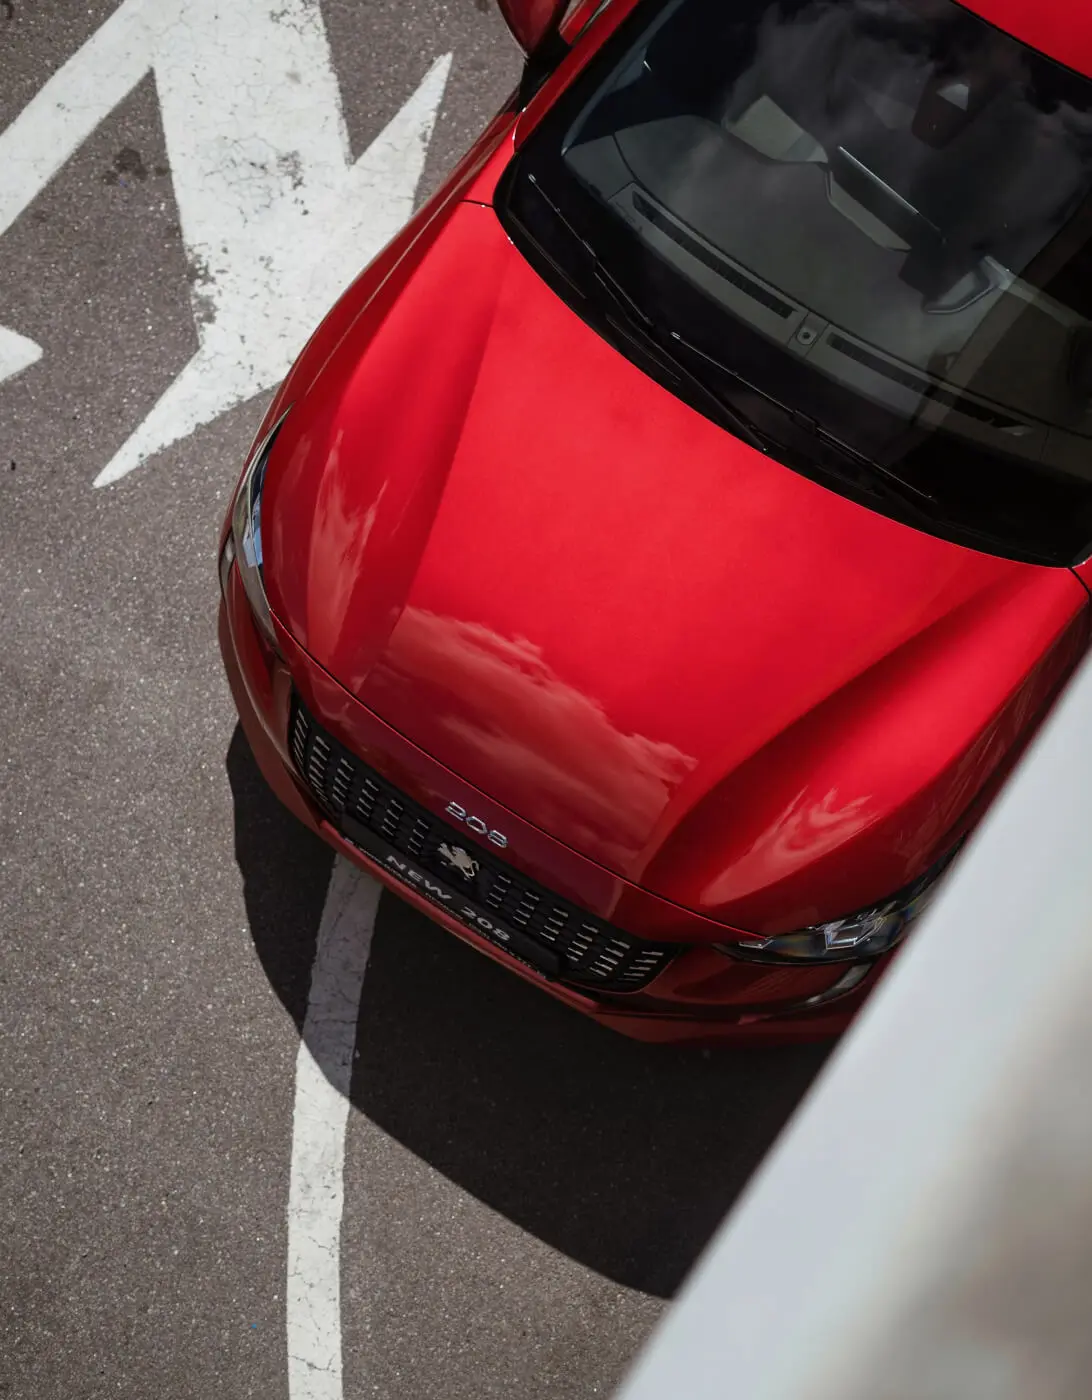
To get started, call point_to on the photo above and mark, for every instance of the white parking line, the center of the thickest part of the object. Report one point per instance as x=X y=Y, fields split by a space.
x=316 y=1189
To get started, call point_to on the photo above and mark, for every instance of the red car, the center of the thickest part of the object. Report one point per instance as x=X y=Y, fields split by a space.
x=658 y=558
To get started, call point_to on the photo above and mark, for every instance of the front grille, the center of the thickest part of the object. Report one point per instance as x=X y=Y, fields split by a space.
x=524 y=917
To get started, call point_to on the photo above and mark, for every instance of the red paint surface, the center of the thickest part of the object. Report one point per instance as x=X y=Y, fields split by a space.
x=702 y=997
x=531 y=20
x=700 y=693
x=711 y=676
x=1062 y=29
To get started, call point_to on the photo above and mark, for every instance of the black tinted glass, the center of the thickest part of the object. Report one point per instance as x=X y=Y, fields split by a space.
x=877 y=213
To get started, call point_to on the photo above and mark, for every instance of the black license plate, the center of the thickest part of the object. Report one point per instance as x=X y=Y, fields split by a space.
x=451 y=900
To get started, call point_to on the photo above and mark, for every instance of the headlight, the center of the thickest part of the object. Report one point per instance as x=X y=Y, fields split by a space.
x=244 y=544
x=858 y=937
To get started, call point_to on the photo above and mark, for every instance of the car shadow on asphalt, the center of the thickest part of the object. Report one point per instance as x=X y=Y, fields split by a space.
x=623 y=1156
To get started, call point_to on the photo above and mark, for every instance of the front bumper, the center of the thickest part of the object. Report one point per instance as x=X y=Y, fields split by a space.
x=701 y=996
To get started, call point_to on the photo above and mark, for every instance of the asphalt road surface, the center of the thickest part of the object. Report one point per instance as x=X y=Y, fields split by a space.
x=522 y=1190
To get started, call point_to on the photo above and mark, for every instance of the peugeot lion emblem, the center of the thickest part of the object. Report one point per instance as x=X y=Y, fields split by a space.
x=459 y=860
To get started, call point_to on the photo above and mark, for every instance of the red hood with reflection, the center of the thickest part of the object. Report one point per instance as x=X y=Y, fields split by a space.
x=697 y=668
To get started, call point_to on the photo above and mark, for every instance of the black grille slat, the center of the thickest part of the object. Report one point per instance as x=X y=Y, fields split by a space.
x=299 y=740
x=365 y=799
x=497 y=890
x=392 y=820
x=318 y=756
x=524 y=911
x=341 y=783
x=416 y=843
x=592 y=953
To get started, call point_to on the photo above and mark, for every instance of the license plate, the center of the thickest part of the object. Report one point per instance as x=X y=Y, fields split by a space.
x=518 y=944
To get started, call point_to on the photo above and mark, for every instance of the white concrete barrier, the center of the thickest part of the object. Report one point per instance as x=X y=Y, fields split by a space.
x=923 y=1228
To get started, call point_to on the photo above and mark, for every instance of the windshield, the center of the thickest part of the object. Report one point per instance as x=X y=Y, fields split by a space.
x=866 y=222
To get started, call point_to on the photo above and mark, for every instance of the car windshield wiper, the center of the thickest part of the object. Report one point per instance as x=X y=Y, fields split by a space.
x=927 y=509
x=665 y=346
x=652 y=337
x=913 y=497
x=638 y=327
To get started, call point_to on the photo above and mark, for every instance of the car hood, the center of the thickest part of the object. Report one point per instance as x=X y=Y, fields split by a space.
x=701 y=670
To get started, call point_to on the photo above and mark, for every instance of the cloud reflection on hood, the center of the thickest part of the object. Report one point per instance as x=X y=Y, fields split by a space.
x=529 y=728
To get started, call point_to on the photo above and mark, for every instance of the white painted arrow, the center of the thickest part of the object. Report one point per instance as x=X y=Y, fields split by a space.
x=275 y=217
x=17 y=353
